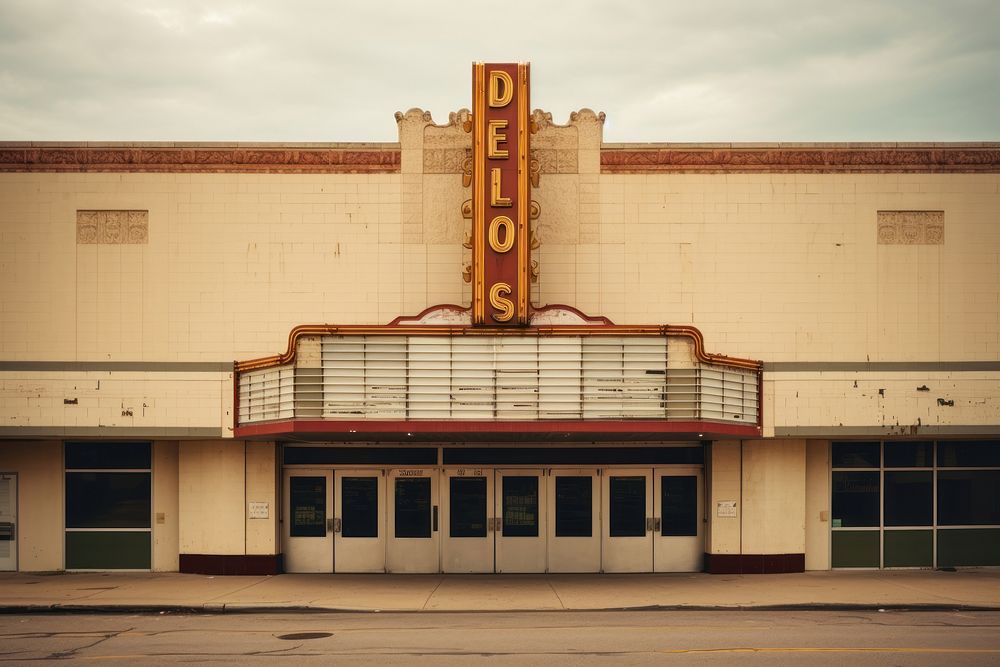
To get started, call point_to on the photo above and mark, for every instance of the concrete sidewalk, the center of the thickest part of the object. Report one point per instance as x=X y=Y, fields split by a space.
x=967 y=589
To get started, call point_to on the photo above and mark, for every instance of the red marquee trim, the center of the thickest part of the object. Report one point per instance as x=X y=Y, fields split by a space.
x=402 y=428
x=396 y=329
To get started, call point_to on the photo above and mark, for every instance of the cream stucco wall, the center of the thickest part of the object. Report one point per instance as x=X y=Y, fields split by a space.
x=261 y=487
x=217 y=481
x=787 y=267
x=774 y=481
x=767 y=479
x=211 y=476
x=724 y=468
x=232 y=263
x=185 y=402
x=166 y=518
x=817 y=508
x=39 y=468
x=782 y=267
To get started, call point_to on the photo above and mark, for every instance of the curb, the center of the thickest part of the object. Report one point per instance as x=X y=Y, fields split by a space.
x=57 y=608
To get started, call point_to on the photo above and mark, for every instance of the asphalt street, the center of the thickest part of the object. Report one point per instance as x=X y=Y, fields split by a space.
x=630 y=637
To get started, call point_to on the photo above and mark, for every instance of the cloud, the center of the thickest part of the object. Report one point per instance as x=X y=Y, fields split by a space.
x=320 y=71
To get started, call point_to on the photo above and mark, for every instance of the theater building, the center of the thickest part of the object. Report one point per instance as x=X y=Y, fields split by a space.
x=499 y=344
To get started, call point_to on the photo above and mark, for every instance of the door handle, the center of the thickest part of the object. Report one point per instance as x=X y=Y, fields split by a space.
x=434 y=519
x=329 y=525
x=649 y=524
x=656 y=524
x=336 y=525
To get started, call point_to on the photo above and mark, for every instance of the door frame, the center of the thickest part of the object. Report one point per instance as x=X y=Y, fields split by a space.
x=678 y=553
x=468 y=555
x=574 y=554
x=518 y=549
x=430 y=558
x=327 y=540
x=15 y=547
x=375 y=548
x=626 y=553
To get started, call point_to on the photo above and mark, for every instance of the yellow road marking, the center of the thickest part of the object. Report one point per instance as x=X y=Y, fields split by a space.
x=829 y=649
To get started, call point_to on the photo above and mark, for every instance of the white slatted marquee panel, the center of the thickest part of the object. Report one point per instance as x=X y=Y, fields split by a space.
x=728 y=395
x=365 y=377
x=267 y=394
x=499 y=378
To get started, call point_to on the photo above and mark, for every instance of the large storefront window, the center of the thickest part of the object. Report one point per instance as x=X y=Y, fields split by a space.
x=108 y=505
x=915 y=504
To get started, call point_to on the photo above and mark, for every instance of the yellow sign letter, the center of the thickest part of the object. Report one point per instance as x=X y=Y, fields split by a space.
x=500 y=97
x=498 y=300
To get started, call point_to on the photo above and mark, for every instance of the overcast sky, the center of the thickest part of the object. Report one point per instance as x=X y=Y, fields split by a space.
x=696 y=70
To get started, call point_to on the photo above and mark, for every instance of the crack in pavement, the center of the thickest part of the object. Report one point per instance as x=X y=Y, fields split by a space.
x=62 y=655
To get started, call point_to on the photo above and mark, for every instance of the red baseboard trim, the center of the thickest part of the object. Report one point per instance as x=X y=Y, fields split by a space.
x=754 y=563
x=224 y=564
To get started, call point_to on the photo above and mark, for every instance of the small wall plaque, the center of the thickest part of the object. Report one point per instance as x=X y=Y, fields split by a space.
x=726 y=509
x=259 y=510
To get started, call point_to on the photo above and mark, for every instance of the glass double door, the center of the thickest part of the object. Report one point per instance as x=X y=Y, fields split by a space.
x=365 y=520
x=494 y=520
x=652 y=520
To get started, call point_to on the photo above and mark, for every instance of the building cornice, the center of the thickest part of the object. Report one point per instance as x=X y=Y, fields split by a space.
x=284 y=158
x=616 y=158
x=981 y=157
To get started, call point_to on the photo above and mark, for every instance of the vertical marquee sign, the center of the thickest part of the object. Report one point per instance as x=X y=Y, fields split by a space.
x=500 y=198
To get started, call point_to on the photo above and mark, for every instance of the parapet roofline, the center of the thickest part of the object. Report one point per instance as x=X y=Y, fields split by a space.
x=605 y=146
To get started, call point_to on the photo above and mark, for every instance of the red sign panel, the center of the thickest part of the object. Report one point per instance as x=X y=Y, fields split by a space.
x=500 y=196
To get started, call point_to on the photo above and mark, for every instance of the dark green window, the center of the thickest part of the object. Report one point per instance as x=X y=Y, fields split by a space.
x=574 y=506
x=108 y=499
x=468 y=507
x=855 y=455
x=520 y=506
x=968 y=497
x=909 y=497
x=855 y=499
x=679 y=503
x=359 y=506
x=413 y=507
x=926 y=504
x=108 y=505
x=908 y=454
x=627 y=506
x=307 y=506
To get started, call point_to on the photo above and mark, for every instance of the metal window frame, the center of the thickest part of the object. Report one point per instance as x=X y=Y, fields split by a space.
x=152 y=507
x=934 y=469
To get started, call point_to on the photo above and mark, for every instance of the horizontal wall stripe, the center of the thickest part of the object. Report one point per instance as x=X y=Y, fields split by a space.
x=866 y=366
x=110 y=432
x=120 y=366
x=908 y=430
x=769 y=367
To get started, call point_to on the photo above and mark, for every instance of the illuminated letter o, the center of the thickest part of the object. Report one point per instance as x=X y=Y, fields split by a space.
x=502 y=221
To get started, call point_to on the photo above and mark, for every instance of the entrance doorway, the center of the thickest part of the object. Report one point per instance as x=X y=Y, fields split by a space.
x=365 y=520
x=494 y=519
x=8 y=522
x=654 y=520
x=412 y=544
x=574 y=525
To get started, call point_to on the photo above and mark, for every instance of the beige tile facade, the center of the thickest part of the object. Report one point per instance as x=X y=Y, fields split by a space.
x=871 y=293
